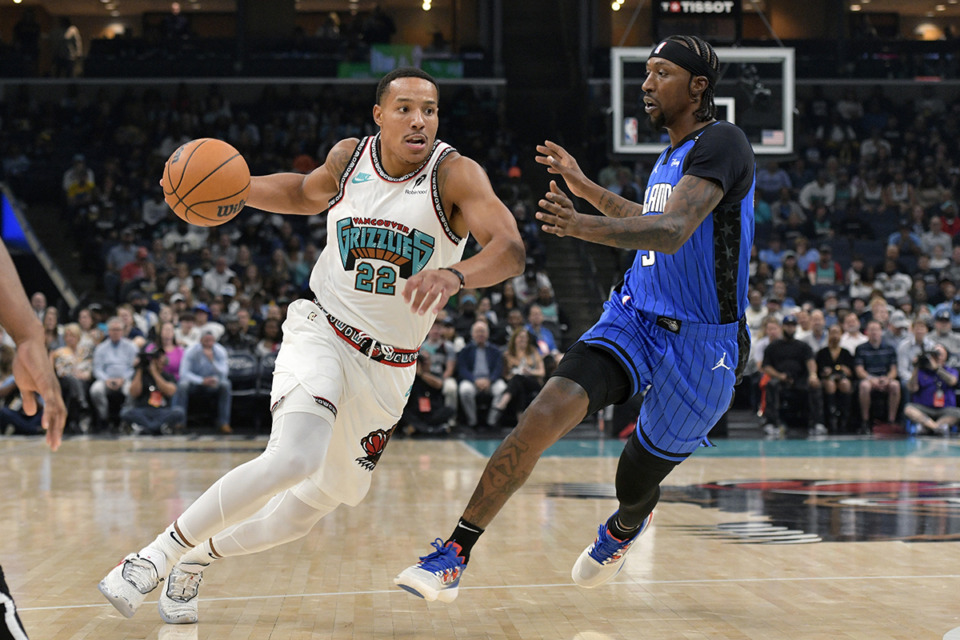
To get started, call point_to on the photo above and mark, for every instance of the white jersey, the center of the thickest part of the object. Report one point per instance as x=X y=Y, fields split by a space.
x=380 y=231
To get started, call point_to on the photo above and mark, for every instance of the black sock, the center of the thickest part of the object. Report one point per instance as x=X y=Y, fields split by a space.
x=465 y=536
x=617 y=529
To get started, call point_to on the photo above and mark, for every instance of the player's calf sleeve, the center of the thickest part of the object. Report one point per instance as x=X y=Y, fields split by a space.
x=639 y=474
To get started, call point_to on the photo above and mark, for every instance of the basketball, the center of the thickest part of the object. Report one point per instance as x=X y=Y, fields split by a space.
x=206 y=182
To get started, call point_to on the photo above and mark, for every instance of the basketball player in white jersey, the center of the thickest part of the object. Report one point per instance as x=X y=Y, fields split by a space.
x=401 y=204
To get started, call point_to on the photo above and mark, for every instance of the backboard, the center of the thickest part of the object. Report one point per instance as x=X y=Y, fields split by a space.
x=756 y=92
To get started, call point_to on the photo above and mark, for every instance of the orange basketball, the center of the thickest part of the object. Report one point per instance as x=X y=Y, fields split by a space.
x=206 y=182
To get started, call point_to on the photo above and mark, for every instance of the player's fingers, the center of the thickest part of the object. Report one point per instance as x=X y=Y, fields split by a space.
x=555 y=188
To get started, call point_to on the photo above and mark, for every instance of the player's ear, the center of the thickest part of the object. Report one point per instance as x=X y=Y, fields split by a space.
x=698 y=86
x=377 y=114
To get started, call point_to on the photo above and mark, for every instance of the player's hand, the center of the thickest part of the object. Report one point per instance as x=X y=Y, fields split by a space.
x=558 y=215
x=34 y=375
x=430 y=290
x=559 y=161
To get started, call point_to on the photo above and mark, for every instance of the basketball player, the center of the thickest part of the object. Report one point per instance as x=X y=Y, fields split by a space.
x=34 y=375
x=675 y=328
x=401 y=204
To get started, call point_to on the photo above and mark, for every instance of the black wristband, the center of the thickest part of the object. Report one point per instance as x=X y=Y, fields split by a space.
x=456 y=273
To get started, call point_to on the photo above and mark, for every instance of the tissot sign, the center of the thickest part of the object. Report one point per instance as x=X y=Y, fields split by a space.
x=698 y=6
x=718 y=21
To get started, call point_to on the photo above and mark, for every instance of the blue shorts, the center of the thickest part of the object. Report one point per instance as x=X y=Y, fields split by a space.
x=688 y=370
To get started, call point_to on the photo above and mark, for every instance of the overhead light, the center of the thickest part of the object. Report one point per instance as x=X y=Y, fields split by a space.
x=115 y=13
x=616 y=5
x=426 y=5
x=854 y=7
x=941 y=7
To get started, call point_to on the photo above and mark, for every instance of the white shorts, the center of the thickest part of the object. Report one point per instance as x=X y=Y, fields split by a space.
x=361 y=397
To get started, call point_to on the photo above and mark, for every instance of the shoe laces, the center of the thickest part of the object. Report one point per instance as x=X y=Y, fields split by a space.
x=607 y=549
x=183 y=586
x=141 y=573
x=443 y=562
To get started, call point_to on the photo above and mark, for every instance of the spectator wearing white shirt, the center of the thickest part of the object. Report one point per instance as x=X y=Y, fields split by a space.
x=218 y=276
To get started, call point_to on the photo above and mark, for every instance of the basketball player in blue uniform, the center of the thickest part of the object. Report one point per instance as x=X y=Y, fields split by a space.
x=675 y=328
x=33 y=374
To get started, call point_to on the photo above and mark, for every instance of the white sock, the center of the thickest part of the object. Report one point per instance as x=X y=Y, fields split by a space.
x=166 y=549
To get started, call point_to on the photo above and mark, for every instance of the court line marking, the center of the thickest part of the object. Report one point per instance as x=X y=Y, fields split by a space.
x=561 y=585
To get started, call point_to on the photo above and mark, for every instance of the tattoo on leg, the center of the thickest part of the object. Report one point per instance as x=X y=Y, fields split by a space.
x=507 y=470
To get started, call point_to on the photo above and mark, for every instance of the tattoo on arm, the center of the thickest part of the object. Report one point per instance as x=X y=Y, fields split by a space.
x=614 y=206
x=337 y=160
x=689 y=204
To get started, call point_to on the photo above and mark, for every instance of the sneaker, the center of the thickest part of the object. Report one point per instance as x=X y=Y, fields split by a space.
x=774 y=430
x=604 y=558
x=178 y=602
x=128 y=583
x=819 y=429
x=436 y=576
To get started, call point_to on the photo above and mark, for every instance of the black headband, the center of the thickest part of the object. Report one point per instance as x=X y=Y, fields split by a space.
x=685 y=58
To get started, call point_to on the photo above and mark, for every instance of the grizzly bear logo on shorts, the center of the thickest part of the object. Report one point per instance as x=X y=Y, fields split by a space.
x=374 y=443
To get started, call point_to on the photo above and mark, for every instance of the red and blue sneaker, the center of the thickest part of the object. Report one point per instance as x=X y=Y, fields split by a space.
x=604 y=558
x=437 y=575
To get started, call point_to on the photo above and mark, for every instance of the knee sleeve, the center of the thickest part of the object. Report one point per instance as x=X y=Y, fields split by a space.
x=297 y=448
x=639 y=474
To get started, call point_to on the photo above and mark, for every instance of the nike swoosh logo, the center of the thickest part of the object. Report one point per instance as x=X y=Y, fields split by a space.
x=361 y=178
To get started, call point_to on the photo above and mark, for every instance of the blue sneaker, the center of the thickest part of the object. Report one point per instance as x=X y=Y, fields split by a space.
x=604 y=558
x=437 y=575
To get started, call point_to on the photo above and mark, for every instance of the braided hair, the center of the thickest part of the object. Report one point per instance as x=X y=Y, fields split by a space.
x=708 y=108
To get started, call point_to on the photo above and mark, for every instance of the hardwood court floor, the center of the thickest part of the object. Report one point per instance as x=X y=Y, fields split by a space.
x=814 y=561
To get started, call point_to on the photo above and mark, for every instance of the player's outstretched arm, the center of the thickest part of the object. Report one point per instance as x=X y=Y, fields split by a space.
x=294 y=193
x=559 y=161
x=31 y=366
x=690 y=203
x=467 y=193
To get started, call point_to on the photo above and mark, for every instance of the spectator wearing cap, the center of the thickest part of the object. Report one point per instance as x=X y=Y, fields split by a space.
x=204 y=370
x=906 y=239
x=950 y=220
x=933 y=405
x=944 y=334
x=876 y=368
x=144 y=318
x=202 y=318
x=892 y=281
x=953 y=308
x=788 y=364
x=218 y=276
x=466 y=314
x=826 y=270
x=898 y=328
x=185 y=238
x=916 y=342
x=789 y=272
x=151 y=409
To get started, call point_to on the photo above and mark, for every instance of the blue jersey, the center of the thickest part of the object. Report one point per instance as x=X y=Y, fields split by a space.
x=706 y=281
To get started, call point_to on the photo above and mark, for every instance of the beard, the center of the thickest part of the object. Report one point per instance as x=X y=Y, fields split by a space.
x=656 y=122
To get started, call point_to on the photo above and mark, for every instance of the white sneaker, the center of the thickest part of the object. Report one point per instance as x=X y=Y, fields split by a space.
x=604 y=558
x=178 y=601
x=436 y=576
x=128 y=583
